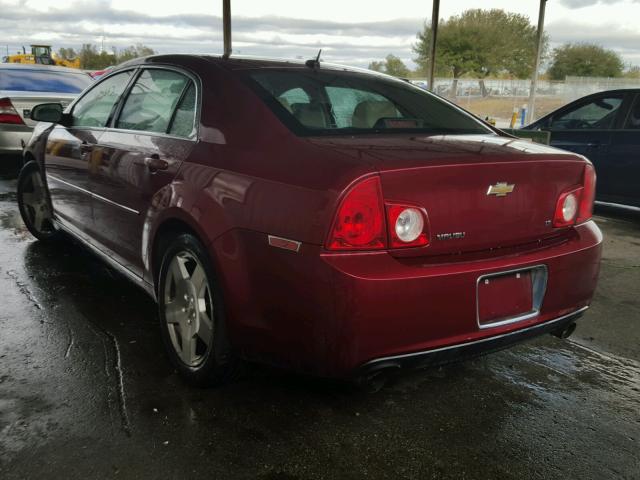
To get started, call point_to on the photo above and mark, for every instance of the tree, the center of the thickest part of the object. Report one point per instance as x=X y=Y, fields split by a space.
x=482 y=43
x=91 y=59
x=391 y=65
x=132 y=52
x=633 y=71
x=584 y=60
x=67 y=53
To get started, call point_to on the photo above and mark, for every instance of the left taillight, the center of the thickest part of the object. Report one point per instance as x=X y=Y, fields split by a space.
x=407 y=226
x=359 y=223
x=8 y=113
x=575 y=205
x=364 y=221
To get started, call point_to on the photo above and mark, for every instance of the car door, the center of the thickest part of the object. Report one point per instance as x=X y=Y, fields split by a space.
x=621 y=182
x=71 y=149
x=585 y=128
x=151 y=135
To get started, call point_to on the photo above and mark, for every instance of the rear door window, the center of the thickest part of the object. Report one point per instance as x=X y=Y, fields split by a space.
x=596 y=114
x=150 y=105
x=94 y=108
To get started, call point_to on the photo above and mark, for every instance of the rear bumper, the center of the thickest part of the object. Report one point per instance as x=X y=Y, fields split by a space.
x=451 y=353
x=12 y=138
x=336 y=314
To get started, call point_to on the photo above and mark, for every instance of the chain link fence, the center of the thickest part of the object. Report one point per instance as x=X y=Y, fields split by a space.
x=499 y=98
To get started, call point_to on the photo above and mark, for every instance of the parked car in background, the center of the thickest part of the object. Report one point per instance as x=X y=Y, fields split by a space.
x=22 y=87
x=330 y=220
x=605 y=127
x=96 y=74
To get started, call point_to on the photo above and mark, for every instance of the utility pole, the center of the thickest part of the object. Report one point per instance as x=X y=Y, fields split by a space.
x=534 y=77
x=226 y=27
x=435 y=15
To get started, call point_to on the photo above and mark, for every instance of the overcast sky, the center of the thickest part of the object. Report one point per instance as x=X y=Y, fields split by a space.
x=349 y=31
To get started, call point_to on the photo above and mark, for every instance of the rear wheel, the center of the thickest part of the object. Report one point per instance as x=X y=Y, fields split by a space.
x=34 y=204
x=192 y=314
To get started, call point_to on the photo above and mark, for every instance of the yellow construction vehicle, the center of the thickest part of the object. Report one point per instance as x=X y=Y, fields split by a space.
x=42 y=55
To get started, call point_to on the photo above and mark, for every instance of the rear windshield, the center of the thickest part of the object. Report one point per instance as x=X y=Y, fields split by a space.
x=24 y=80
x=317 y=102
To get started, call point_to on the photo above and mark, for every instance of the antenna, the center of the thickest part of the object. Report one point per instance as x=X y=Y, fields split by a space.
x=314 y=63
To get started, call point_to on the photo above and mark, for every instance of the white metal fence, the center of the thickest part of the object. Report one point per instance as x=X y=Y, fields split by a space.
x=570 y=89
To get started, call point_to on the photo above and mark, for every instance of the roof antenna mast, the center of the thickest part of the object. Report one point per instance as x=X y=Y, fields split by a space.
x=314 y=62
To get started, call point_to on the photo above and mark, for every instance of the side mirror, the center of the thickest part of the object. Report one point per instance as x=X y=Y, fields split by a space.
x=47 y=112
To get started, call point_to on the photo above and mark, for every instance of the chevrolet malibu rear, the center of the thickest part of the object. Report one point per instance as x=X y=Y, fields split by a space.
x=329 y=220
x=449 y=241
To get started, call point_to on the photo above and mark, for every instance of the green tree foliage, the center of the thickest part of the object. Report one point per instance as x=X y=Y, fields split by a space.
x=391 y=65
x=584 y=60
x=132 y=52
x=632 y=72
x=67 y=53
x=481 y=43
x=92 y=59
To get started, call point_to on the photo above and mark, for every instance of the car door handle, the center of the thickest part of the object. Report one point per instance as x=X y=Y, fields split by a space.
x=153 y=163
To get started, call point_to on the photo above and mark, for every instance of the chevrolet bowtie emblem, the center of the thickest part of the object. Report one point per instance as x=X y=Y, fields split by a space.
x=500 y=189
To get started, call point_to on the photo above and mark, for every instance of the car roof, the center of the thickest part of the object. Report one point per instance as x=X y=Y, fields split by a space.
x=39 y=67
x=245 y=62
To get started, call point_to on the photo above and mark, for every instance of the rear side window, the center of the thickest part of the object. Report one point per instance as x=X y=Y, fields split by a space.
x=183 y=123
x=633 y=120
x=150 y=105
x=94 y=109
x=25 y=80
x=332 y=102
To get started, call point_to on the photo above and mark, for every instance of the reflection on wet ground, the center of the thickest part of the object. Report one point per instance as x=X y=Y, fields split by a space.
x=86 y=391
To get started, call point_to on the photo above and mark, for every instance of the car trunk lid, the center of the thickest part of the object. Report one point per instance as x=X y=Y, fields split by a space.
x=480 y=192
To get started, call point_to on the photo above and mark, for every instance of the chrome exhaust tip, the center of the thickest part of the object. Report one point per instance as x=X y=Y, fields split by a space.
x=565 y=332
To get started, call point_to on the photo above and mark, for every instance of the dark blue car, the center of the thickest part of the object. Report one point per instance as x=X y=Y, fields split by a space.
x=604 y=127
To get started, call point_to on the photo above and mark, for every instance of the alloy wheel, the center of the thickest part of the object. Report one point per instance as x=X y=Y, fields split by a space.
x=34 y=199
x=188 y=308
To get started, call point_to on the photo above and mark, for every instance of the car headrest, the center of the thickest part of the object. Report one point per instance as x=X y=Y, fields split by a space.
x=285 y=103
x=310 y=115
x=367 y=113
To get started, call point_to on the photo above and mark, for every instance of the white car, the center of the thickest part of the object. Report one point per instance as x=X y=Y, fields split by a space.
x=24 y=86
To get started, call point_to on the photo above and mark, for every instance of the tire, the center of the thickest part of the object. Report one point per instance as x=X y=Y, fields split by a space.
x=191 y=312
x=34 y=203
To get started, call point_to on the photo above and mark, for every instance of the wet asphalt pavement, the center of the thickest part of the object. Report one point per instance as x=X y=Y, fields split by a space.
x=87 y=392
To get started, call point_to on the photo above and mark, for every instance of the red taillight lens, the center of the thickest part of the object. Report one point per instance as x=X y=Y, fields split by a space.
x=8 y=114
x=576 y=205
x=567 y=208
x=359 y=223
x=585 y=211
x=407 y=226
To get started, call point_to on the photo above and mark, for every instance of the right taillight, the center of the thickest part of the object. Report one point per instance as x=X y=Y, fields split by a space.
x=8 y=114
x=575 y=205
x=585 y=210
x=359 y=223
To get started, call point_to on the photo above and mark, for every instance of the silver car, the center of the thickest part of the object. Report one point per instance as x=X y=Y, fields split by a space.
x=24 y=86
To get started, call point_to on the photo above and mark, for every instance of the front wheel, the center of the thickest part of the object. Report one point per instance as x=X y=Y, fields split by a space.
x=192 y=314
x=34 y=204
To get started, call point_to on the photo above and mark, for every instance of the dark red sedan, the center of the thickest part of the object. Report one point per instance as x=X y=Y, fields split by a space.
x=331 y=220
